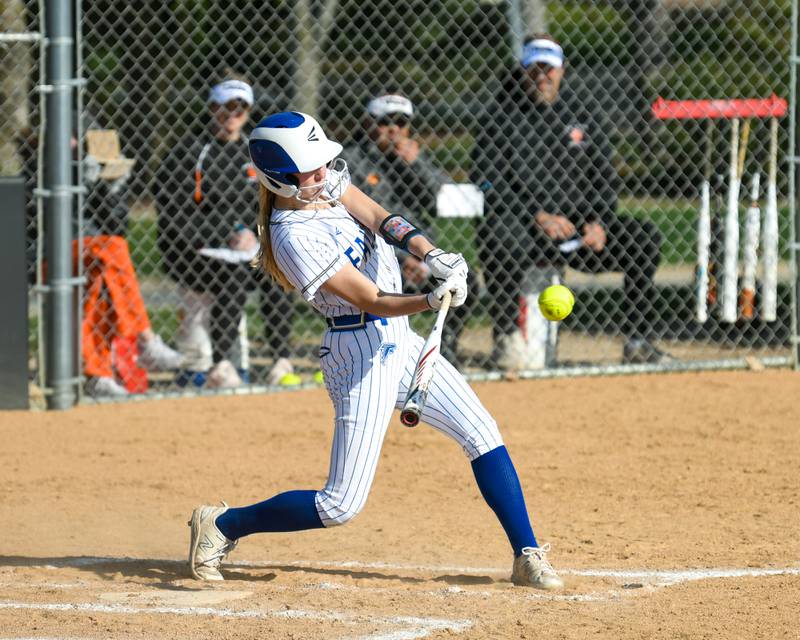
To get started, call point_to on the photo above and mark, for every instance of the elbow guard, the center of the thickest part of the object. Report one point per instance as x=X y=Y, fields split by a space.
x=397 y=231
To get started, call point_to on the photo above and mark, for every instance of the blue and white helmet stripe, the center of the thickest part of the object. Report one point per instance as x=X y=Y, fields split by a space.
x=286 y=143
x=541 y=50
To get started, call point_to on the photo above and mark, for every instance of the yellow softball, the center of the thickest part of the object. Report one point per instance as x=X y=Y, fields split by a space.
x=290 y=380
x=556 y=302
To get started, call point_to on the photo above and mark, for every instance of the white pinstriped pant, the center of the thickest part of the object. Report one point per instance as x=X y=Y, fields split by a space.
x=367 y=372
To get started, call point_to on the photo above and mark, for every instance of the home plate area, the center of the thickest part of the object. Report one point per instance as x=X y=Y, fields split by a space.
x=670 y=502
x=82 y=597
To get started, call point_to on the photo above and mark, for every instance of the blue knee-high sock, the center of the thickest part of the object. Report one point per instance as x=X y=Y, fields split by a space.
x=290 y=511
x=499 y=485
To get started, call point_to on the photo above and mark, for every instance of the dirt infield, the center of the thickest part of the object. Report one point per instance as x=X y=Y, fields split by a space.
x=672 y=503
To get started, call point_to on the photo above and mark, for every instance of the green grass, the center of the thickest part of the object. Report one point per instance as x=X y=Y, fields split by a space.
x=678 y=226
x=456 y=234
x=676 y=221
x=164 y=321
x=142 y=241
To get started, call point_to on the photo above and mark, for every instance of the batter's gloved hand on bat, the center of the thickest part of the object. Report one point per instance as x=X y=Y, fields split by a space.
x=456 y=285
x=445 y=265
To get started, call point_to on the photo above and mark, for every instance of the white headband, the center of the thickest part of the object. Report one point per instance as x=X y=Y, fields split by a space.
x=389 y=104
x=231 y=90
x=542 y=50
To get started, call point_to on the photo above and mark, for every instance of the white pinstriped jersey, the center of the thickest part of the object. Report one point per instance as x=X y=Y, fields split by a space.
x=310 y=246
x=367 y=369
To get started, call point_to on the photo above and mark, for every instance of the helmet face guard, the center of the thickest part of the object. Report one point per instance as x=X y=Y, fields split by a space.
x=336 y=180
x=287 y=143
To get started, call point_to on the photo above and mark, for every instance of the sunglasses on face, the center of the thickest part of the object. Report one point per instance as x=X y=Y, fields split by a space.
x=399 y=120
x=540 y=68
x=235 y=107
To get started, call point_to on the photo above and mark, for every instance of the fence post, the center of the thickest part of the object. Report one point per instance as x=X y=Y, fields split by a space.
x=14 y=294
x=59 y=193
x=794 y=212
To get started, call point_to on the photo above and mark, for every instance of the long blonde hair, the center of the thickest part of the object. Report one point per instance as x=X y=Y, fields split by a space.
x=266 y=258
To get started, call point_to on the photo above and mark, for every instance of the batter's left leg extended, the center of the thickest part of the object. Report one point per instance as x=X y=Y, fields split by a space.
x=453 y=408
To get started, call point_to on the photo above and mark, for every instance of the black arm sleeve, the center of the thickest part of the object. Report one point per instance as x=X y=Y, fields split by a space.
x=397 y=231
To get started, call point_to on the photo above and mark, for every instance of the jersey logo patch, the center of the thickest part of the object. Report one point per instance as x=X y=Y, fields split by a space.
x=387 y=349
x=365 y=251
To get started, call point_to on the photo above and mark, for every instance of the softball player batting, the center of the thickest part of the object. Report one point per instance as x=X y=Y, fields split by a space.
x=327 y=239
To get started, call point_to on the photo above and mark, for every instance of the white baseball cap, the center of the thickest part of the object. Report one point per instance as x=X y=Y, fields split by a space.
x=231 y=90
x=542 y=50
x=390 y=104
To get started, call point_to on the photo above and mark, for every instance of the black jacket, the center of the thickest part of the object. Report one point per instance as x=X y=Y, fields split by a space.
x=555 y=158
x=228 y=196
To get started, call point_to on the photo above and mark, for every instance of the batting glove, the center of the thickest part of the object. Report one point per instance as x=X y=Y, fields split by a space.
x=456 y=285
x=445 y=265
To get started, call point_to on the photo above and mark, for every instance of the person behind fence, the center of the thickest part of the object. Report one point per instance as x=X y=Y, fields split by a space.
x=545 y=158
x=204 y=192
x=112 y=305
x=392 y=168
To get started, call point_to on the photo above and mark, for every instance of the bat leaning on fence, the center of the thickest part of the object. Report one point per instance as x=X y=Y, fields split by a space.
x=423 y=372
x=730 y=279
x=770 y=284
x=704 y=232
x=752 y=227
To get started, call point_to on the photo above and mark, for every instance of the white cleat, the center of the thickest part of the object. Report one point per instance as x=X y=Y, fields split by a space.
x=155 y=355
x=282 y=368
x=208 y=547
x=105 y=387
x=223 y=375
x=511 y=351
x=532 y=569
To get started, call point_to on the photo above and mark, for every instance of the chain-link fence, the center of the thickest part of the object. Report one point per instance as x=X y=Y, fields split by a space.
x=538 y=166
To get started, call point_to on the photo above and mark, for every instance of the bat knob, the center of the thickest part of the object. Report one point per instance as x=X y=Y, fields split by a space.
x=409 y=418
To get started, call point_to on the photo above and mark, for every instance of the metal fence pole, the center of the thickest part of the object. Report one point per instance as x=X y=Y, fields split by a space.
x=793 y=210
x=516 y=27
x=59 y=192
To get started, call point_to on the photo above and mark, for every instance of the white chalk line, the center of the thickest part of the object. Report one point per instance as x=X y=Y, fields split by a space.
x=419 y=627
x=442 y=593
x=670 y=576
x=45 y=585
x=687 y=575
x=453 y=591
